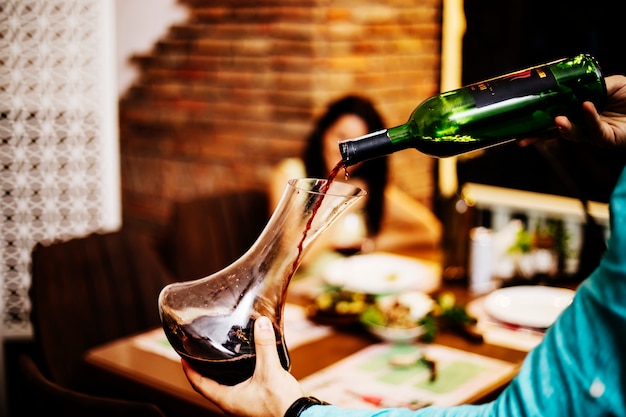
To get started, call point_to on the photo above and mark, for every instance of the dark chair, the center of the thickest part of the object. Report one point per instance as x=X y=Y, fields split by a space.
x=41 y=396
x=208 y=233
x=89 y=291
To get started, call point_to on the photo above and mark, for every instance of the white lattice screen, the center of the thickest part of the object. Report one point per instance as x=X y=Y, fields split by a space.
x=59 y=164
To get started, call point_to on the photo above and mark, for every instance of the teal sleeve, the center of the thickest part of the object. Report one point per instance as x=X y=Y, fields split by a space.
x=459 y=411
x=579 y=369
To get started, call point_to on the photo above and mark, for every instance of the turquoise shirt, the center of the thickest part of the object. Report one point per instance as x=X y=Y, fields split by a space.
x=579 y=369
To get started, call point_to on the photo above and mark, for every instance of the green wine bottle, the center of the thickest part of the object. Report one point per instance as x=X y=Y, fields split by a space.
x=492 y=112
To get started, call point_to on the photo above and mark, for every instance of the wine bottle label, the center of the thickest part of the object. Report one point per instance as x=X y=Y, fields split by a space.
x=517 y=84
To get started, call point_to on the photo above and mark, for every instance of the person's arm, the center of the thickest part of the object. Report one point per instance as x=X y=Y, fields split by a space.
x=406 y=223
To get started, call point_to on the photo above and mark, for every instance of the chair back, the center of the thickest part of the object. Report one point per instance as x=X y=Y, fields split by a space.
x=41 y=396
x=89 y=291
x=208 y=233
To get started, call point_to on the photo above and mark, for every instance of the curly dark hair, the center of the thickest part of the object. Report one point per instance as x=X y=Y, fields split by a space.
x=373 y=172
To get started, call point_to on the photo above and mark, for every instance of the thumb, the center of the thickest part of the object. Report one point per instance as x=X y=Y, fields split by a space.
x=265 y=346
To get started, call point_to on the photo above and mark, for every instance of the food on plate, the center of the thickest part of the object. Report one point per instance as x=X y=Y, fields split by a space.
x=403 y=310
x=341 y=302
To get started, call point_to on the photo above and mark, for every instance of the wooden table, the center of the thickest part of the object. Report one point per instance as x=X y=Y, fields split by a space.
x=160 y=380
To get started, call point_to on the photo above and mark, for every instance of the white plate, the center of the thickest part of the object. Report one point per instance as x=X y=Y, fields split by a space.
x=530 y=306
x=382 y=273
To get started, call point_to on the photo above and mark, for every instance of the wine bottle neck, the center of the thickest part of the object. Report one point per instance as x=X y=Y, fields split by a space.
x=365 y=147
x=374 y=145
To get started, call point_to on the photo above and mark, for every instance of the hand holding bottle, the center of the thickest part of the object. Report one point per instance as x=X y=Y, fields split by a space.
x=606 y=129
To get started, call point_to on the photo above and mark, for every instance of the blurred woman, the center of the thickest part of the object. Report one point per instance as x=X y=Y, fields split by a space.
x=388 y=219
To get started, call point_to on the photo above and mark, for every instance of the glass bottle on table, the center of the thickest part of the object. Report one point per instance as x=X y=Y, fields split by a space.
x=488 y=113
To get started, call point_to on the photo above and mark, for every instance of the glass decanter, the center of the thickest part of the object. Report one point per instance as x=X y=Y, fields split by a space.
x=210 y=321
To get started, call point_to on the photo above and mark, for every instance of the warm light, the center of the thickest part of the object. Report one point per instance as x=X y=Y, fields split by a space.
x=451 y=56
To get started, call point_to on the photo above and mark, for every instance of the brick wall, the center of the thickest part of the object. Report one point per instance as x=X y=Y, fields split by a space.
x=223 y=97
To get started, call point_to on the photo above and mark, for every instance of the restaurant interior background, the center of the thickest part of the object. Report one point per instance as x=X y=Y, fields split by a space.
x=223 y=92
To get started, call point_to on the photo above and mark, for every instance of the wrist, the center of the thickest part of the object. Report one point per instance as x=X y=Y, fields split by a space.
x=301 y=404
